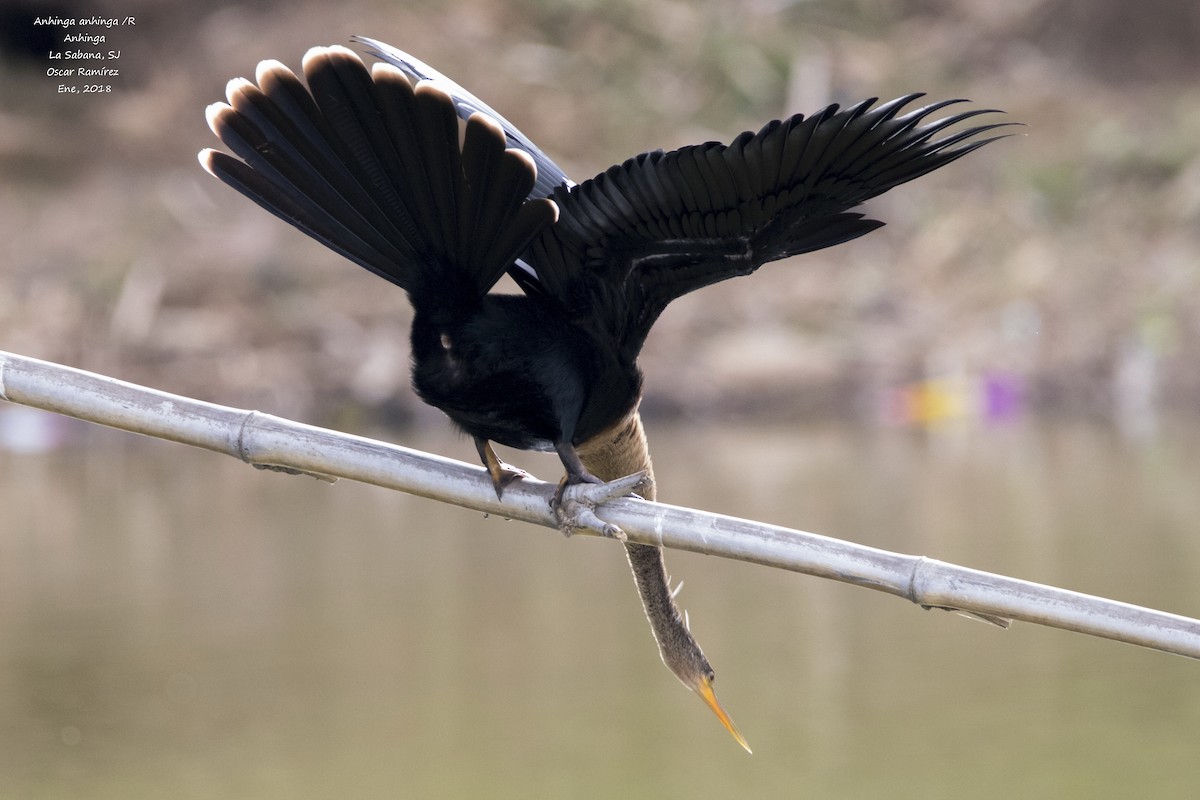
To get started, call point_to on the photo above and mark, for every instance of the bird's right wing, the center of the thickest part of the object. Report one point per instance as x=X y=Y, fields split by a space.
x=660 y=225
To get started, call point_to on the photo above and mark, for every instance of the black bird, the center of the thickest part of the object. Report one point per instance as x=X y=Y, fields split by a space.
x=376 y=165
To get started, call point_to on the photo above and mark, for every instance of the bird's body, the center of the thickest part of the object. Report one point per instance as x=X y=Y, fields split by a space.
x=513 y=372
x=409 y=175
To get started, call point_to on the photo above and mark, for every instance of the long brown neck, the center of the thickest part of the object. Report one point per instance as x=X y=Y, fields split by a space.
x=623 y=450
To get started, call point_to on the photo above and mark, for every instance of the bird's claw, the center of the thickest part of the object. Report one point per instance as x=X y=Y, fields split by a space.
x=504 y=475
x=574 y=504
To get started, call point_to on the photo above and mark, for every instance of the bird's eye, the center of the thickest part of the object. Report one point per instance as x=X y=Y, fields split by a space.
x=445 y=341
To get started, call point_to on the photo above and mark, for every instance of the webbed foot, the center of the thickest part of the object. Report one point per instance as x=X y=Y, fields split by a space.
x=502 y=474
x=575 y=503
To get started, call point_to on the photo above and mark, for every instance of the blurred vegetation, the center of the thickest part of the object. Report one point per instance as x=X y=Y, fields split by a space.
x=1067 y=258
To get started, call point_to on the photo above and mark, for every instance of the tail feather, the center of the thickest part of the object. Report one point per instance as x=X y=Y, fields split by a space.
x=549 y=174
x=398 y=106
x=295 y=209
x=313 y=147
x=349 y=101
x=294 y=165
x=372 y=167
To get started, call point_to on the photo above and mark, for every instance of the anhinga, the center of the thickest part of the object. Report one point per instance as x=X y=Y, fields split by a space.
x=376 y=165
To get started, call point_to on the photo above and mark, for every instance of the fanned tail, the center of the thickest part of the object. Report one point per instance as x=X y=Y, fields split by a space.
x=549 y=174
x=372 y=167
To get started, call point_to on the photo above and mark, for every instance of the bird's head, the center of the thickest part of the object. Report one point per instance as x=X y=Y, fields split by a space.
x=703 y=687
x=692 y=669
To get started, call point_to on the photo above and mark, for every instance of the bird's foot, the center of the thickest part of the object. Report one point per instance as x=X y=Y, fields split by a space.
x=502 y=474
x=575 y=504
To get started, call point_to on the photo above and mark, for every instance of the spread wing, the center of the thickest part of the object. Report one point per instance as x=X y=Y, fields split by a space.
x=660 y=225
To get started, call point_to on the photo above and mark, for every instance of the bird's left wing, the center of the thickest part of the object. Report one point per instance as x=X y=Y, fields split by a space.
x=660 y=225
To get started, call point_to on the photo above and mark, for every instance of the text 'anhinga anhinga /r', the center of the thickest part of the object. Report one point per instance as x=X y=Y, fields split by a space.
x=407 y=174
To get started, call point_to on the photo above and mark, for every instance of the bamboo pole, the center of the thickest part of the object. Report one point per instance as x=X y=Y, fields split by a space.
x=270 y=442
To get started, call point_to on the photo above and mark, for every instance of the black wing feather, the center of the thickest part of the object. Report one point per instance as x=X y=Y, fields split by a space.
x=372 y=166
x=664 y=224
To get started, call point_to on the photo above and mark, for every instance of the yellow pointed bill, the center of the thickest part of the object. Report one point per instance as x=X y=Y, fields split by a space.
x=705 y=690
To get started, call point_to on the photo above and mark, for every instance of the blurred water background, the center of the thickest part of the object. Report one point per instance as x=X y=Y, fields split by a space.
x=176 y=624
x=1003 y=377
